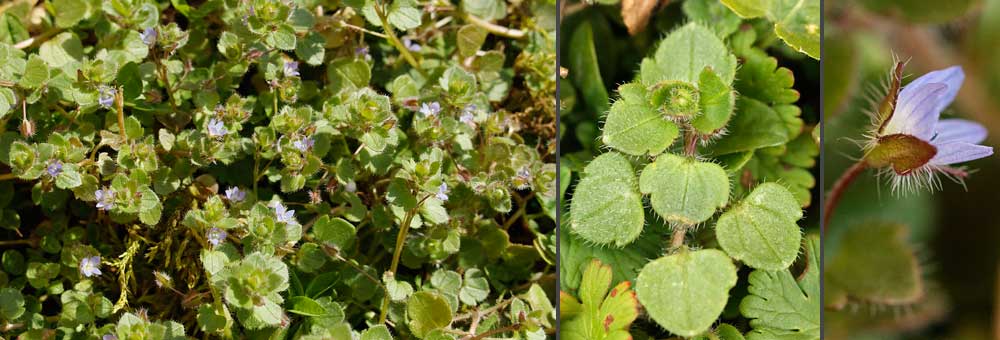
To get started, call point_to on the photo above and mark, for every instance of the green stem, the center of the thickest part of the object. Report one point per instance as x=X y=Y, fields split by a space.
x=120 y=106
x=16 y=242
x=494 y=28
x=391 y=34
x=400 y=241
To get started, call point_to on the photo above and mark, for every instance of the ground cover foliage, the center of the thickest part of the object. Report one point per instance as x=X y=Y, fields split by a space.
x=277 y=169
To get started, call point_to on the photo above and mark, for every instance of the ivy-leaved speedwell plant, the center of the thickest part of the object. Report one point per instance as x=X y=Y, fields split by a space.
x=697 y=192
x=277 y=169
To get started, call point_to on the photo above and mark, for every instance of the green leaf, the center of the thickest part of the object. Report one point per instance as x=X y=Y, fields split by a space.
x=716 y=101
x=427 y=311
x=582 y=63
x=635 y=127
x=11 y=304
x=797 y=22
x=889 y=276
x=303 y=305
x=149 y=206
x=377 y=332
x=685 y=53
x=782 y=308
x=576 y=254
x=606 y=207
x=335 y=232
x=404 y=15
x=470 y=38
x=752 y=128
x=475 y=287
x=486 y=9
x=68 y=178
x=685 y=292
x=210 y=320
x=36 y=73
x=70 y=12
x=398 y=290
x=684 y=190
x=761 y=230
x=61 y=50
x=713 y=14
x=599 y=314
x=283 y=38
x=311 y=50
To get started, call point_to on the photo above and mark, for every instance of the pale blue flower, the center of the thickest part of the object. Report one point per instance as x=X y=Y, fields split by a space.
x=362 y=52
x=468 y=115
x=216 y=236
x=216 y=128
x=430 y=109
x=148 y=36
x=105 y=199
x=351 y=186
x=524 y=173
x=442 y=193
x=917 y=114
x=109 y=337
x=291 y=68
x=283 y=214
x=54 y=168
x=106 y=96
x=410 y=45
x=90 y=266
x=234 y=194
x=304 y=144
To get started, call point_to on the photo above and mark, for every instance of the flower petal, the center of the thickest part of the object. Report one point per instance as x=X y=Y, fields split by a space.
x=958 y=152
x=951 y=77
x=916 y=112
x=958 y=130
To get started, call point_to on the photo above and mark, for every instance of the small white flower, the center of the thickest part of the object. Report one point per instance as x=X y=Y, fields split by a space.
x=442 y=193
x=148 y=36
x=105 y=199
x=90 y=266
x=410 y=45
x=351 y=187
x=106 y=96
x=216 y=236
x=216 y=128
x=291 y=69
x=430 y=109
x=234 y=194
x=283 y=214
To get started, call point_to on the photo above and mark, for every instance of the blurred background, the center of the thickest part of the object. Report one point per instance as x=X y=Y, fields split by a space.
x=920 y=266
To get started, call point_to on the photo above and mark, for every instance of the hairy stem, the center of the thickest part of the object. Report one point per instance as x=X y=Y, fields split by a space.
x=838 y=189
x=120 y=107
x=400 y=241
x=677 y=238
x=391 y=34
x=494 y=28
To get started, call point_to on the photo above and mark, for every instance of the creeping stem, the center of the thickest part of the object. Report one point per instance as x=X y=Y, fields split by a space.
x=400 y=241
x=120 y=106
x=391 y=33
x=677 y=238
x=838 y=189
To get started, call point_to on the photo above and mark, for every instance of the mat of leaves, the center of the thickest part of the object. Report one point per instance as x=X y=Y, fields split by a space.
x=277 y=169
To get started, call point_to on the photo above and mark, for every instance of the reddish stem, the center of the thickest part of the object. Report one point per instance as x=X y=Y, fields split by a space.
x=838 y=189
